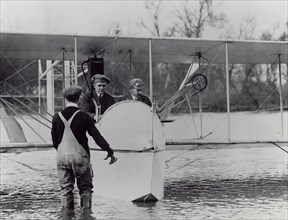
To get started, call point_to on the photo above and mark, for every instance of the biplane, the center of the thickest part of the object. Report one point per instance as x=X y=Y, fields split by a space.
x=134 y=131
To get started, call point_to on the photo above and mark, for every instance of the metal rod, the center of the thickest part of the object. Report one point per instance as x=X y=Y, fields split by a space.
x=39 y=86
x=82 y=73
x=280 y=96
x=48 y=69
x=63 y=79
x=50 y=88
x=75 y=61
x=191 y=113
x=200 y=103
x=130 y=63
x=150 y=70
x=151 y=89
x=227 y=89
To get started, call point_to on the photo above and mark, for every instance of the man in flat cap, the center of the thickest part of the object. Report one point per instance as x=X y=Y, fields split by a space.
x=97 y=101
x=136 y=88
x=69 y=128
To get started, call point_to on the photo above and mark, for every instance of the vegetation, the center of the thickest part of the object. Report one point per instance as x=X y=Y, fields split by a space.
x=250 y=84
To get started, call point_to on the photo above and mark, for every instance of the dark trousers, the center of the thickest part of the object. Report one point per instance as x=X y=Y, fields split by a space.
x=68 y=171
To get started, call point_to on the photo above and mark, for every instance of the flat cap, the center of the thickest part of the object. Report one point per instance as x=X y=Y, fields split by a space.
x=100 y=78
x=71 y=91
x=137 y=83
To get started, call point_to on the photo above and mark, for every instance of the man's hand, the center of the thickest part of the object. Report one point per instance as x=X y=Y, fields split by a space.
x=113 y=159
x=96 y=118
x=154 y=109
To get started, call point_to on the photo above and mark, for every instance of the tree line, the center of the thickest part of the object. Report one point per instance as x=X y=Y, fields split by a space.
x=253 y=87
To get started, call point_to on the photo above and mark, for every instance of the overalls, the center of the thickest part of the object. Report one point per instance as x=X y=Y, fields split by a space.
x=73 y=162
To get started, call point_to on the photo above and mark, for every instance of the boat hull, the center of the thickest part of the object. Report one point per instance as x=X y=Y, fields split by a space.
x=137 y=136
x=133 y=176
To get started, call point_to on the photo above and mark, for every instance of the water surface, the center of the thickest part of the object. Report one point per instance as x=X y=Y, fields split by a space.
x=240 y=183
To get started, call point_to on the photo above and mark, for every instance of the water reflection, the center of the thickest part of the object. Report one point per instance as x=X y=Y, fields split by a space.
x=73 y=215
x=148 y=205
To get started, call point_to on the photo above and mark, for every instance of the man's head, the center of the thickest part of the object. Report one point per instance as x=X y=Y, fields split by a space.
x=136 y=86
x=72 y=93
x=100 y=82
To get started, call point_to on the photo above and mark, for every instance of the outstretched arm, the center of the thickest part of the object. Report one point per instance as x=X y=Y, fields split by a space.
x=101 y=142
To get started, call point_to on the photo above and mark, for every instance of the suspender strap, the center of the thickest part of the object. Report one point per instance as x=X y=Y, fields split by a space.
x=70 y=119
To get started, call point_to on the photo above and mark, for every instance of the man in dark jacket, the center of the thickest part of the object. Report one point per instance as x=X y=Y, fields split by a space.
x=97 y=101
x=136 y=88
x=69 y=138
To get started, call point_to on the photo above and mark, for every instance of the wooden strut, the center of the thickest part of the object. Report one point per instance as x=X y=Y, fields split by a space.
x=170 y=145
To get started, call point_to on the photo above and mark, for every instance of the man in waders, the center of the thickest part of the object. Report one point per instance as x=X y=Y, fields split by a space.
x=69 y=138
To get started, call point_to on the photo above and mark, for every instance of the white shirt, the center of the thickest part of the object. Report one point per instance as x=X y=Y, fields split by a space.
x=133 y=97
x=69 y=104
x=99 y=94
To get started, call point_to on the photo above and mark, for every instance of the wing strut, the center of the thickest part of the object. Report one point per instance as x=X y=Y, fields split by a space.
x=280 y=96
x=195 y=81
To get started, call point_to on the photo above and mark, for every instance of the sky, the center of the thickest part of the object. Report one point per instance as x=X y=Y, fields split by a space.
x=95 y=17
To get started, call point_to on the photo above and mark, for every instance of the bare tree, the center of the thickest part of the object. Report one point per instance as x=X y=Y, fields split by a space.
x=154 y=10
x=189 y=20
x=247 y=28
x=271 y=34
x=194 y=16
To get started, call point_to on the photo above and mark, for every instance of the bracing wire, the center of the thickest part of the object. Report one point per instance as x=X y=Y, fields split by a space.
x=11 y=109
x=17 y=71
x=113 y=49
x=181 y=91
x=27 y=98
x=6 y=103
x=250 y=65
x=30 y=167
x=279 y=146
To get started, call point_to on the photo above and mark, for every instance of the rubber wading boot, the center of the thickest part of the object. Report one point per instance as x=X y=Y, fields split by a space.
x=67 y=209
x=86 y=203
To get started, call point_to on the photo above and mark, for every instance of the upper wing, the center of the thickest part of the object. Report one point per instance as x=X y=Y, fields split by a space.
x=163 y=50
